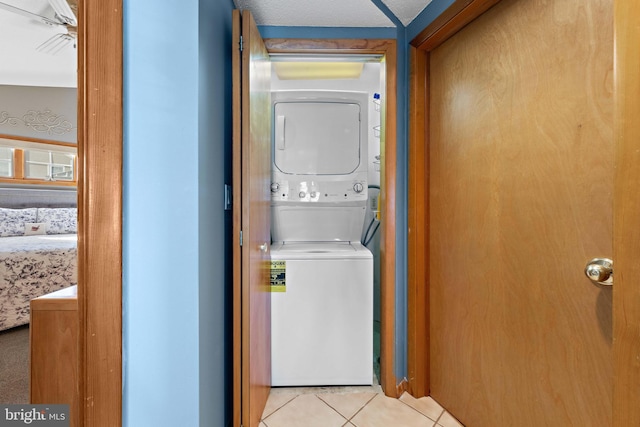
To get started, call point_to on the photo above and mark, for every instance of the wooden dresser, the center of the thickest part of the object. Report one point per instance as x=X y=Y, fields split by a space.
x=54 y=350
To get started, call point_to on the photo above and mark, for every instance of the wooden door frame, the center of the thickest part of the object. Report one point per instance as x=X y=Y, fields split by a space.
x=387 y=49
x=626 y=211
x=100 y=133
x=626 y=300
x=453 y=19
x=391 y=385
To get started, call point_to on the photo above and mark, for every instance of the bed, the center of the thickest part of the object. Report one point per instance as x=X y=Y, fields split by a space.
x=38 y=249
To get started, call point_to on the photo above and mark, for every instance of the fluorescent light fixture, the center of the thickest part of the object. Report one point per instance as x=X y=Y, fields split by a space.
x=318 y=70
x=297 y=57
x=64 y=12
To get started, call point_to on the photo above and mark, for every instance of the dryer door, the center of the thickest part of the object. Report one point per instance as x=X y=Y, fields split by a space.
x=317 y=138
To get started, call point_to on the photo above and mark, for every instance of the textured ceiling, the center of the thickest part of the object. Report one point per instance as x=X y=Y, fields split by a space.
x=330 y=13
x=21 y=63
x=406 y=10
x=325 y=13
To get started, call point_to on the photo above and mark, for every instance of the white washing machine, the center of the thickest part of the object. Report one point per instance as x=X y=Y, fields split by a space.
x=322 y=306
x=322 y=324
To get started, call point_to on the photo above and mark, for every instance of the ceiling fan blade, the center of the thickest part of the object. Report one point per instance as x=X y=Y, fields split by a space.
x=64 y=12
x=56 y=43
x=28 y=14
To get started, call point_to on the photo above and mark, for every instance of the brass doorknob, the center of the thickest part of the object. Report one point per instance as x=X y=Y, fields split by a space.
x=600 y=270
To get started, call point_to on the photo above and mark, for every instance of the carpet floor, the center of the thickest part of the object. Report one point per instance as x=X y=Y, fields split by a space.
x=14 y=365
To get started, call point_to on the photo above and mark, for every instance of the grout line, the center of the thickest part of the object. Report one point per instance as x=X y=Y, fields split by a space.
x=424 y=415
x=363 y=406
x=334 y=409
x=279 y=407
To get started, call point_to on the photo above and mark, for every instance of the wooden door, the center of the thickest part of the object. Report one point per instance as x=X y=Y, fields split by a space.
x=521 y=183
x=251 y=182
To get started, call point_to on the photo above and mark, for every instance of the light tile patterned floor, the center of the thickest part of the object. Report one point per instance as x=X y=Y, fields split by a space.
x=351 y=407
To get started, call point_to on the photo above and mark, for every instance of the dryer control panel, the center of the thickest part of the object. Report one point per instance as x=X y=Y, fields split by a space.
x=311 y=191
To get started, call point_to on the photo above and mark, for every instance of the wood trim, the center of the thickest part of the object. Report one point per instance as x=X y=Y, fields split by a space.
x=418 y=218
x=237 y=218
x=100 y=182
x=38 y=140
x=626 y=243
x=386 y=48
x=331 y=46
x=17 y=181
x=452 y=20
x=18 y=165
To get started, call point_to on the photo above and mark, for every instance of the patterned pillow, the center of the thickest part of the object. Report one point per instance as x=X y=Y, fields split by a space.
x=59 y=220
x=12 y=221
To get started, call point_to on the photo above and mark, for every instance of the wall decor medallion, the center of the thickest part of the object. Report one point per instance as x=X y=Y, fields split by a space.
x=39 y=121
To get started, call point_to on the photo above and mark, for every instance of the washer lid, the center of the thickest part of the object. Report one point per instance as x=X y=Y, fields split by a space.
x=319 y=250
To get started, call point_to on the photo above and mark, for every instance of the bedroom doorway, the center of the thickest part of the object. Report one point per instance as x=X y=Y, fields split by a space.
x=38 y=176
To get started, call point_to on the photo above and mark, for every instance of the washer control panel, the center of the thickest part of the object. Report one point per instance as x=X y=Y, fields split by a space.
x=319 y=191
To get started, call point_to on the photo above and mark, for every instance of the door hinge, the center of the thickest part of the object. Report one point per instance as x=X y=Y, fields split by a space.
x=228 y=197
x=240 y=237
x=241 y=44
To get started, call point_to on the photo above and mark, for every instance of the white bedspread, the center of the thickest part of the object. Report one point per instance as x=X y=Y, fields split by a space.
x=32 y=266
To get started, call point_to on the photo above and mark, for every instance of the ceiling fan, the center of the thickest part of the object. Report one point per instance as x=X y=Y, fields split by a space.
x=64 y=20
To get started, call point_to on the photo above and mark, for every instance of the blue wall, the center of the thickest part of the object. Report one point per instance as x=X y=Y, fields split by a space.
x=177 y=106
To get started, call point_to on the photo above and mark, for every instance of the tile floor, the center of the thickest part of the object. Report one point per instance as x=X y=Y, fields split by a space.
x=351 y=407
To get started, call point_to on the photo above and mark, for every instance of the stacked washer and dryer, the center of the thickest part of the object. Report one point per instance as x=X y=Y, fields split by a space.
x=322 y=318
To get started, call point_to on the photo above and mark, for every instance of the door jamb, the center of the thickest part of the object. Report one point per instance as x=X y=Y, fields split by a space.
x=626 y=215
x=100 y=136
x=387 y=48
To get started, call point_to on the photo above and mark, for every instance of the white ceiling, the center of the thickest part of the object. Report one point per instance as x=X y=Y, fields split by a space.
x=21 y=63
x=330 y=13
x=406 y=10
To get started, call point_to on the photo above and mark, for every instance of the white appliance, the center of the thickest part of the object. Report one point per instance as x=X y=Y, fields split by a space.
x=322 y=314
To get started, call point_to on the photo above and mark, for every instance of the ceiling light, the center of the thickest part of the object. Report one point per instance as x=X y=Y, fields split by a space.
x=318 y=70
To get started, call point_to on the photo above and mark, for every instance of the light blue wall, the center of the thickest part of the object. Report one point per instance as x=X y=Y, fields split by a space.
x=177 y=126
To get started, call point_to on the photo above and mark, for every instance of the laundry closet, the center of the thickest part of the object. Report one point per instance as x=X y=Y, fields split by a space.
x=325 y=252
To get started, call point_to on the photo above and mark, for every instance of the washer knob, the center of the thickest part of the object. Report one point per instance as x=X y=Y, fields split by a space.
x=358 y=187
x=313 y=194
x=275 y=187
x=302 y=194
